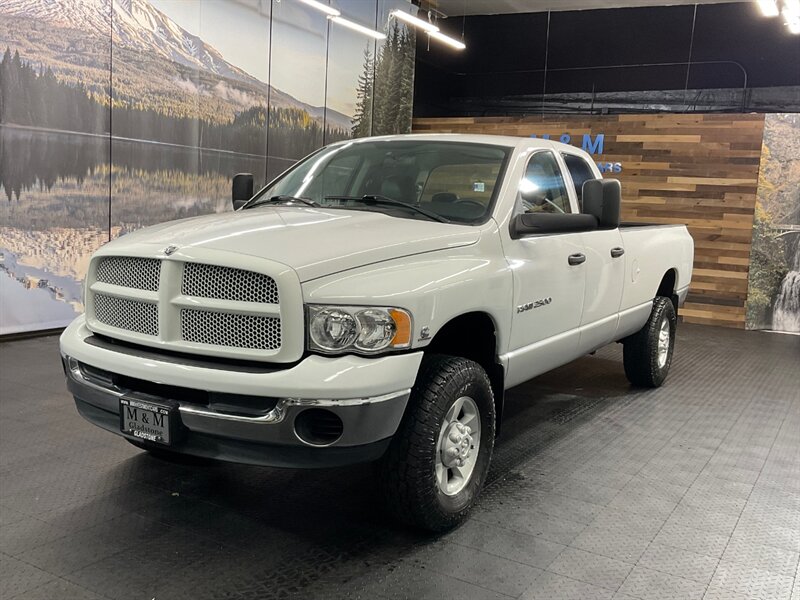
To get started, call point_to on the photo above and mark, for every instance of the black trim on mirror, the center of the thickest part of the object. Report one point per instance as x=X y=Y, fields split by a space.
x=528 y=224
x=241 y=190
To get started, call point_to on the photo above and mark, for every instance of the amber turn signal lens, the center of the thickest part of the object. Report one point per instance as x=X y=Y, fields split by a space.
x=402 y=336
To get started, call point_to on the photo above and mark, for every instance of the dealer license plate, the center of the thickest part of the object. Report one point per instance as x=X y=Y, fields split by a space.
x=146 y=420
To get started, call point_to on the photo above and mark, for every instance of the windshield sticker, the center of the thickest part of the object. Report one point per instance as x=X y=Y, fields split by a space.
x=479 y=186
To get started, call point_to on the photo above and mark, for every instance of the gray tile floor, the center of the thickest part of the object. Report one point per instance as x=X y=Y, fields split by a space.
x=597 y=491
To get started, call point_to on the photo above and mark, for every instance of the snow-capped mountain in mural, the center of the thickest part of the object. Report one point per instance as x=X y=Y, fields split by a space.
x=136 y=25
x=90 y=15
x=142 y=31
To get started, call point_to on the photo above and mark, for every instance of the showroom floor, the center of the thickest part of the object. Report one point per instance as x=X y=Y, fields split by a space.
x=597 y=491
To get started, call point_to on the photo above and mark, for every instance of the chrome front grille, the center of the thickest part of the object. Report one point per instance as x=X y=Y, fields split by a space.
x=130 y=272
x=226 y=283
x=198 y=307
x=131 y=315
x=232 y=330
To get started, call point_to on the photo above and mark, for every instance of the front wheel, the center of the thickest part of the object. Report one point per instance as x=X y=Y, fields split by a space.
x=647 y=354
x=434 y=469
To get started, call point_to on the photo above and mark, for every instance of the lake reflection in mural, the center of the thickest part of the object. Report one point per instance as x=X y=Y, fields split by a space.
x=88 y=153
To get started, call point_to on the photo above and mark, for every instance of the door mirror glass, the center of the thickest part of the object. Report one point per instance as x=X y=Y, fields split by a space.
x=602 y=198
x=242 y=189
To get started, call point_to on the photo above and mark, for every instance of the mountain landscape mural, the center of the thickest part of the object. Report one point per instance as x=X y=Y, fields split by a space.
x=120 y=114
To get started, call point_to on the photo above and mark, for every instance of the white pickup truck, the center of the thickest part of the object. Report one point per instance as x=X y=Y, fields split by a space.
x=373 y=303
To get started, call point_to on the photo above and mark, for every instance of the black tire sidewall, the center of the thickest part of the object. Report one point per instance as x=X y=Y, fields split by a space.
x=408 y=469
x=662 y=309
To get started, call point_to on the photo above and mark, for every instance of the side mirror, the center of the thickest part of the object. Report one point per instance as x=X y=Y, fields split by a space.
x=603 y=199
x=540 y=223
x=242 y=189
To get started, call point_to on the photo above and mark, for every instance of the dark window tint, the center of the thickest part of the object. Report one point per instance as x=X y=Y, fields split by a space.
x=581 y=172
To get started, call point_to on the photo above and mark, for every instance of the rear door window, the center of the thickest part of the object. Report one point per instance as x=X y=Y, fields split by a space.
x=581 y=172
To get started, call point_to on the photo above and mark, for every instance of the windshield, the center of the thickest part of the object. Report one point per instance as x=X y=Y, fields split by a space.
x=418 y=179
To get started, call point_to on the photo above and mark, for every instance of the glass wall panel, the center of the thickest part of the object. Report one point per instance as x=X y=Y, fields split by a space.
x=54 y=157
x=297 y=78
x=158 y=56
x=351 y=73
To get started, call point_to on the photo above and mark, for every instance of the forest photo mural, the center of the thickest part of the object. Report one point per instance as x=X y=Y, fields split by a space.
x=118 y=114
x=773 y=297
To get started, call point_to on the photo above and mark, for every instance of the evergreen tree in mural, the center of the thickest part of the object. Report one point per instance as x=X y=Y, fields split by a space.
x=35 y=97
x=39 y=99
x=385 y=87
x=362 y=120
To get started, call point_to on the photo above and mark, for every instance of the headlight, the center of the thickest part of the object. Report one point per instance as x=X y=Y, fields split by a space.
x=366 y=330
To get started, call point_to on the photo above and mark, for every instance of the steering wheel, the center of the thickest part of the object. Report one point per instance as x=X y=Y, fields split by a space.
x=469 y=202
x=530 y=206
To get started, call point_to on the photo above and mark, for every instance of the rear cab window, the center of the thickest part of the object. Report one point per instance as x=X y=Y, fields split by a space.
x=580 y=171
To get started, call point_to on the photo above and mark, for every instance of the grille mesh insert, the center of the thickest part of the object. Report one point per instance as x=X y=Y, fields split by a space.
x=226 y=329
x=138 y=273
x=131 y=315
x=227 y=283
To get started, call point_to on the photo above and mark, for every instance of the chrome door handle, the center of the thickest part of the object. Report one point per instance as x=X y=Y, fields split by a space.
x=576 y=259
x=617 y=252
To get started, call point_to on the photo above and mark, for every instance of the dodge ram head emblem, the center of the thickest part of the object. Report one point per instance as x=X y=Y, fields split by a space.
x=170 y=249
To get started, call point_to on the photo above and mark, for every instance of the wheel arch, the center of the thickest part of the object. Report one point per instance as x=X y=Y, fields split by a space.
x=667 y=287
x=473 y=335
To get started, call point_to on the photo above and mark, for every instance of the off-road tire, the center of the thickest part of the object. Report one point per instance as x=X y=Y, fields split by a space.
x=408 y=467
x=640 y=350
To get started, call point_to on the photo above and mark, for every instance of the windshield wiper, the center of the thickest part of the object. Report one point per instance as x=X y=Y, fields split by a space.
x=284 y=199
x=376 y=199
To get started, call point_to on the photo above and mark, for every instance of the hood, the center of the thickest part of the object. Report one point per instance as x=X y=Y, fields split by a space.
x=313 y=241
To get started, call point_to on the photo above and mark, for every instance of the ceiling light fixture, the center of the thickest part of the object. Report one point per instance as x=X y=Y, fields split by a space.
x=791 y=12
x=328 y=10
x=446 y=39
x=415 y=21
x=769 y=8
x=428 y=27
x=356 y=27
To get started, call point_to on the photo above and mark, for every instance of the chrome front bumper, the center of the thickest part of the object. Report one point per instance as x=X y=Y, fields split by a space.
x=265 y=437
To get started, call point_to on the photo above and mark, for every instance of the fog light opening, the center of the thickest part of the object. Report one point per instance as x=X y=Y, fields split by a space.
x=318 y=427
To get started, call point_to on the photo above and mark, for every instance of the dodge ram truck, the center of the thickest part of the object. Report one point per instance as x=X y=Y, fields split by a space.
x=372 y=303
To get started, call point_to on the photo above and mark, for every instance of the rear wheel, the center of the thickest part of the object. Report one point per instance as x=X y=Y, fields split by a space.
x=437 y=462
x=648 y=352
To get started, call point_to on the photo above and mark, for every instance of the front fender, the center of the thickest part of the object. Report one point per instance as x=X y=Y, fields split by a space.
x=435 y=287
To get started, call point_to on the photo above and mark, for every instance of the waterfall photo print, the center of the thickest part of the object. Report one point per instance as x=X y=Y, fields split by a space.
x=773 y=300
x=119 y=114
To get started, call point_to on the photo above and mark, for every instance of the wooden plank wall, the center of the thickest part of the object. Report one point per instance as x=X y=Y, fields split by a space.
x=699 y=169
